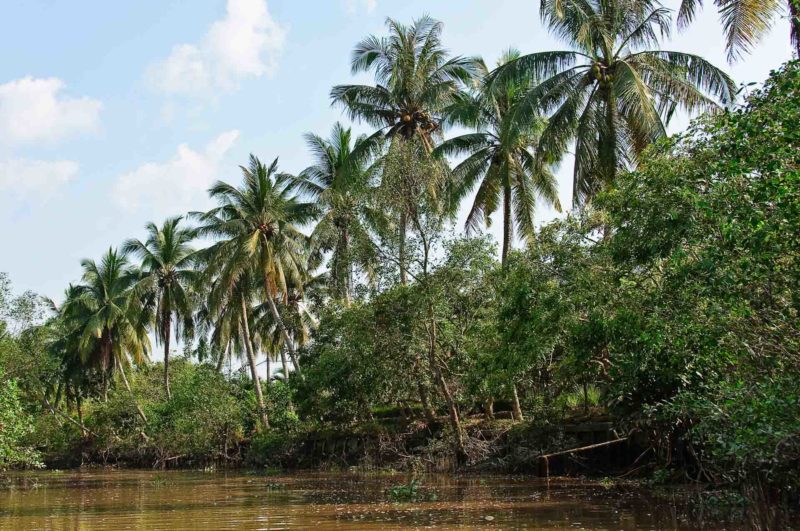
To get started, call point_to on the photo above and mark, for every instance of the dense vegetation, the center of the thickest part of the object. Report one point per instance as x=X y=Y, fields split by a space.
x=666 y=299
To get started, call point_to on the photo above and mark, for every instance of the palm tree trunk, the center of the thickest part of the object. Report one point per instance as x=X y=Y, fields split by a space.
x=794 y=25
x=106 y=361
x=508 y=226
x=285 y=365
x=517 y=412
x=167 y=331
x=347 y=271
x=221 y=359
x=273 y=308
x=402 y=248
x=608 y=149
x=251 y=358
x=130 y=391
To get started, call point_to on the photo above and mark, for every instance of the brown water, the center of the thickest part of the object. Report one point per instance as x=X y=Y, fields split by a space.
x=119 y=499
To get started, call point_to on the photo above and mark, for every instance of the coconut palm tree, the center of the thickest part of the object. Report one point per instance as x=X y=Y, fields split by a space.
x=414 y=80
x=339 y=182
x=614 y=91
x=257 y=228
x=745 y=22
x=500 y=157
x=297 y=314
x=229 y=309
x=167 y=274
x=110 y=318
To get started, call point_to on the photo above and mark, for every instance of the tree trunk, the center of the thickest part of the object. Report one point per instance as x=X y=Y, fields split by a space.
x=57 y=399
x=517 y=409
x=105 y=345
x=285 y=365
x=130 y=391
x=251 y=358
x=402 y=249
x=269 y=369
x=222 y=357
x=508 y=226
x=794 y=25
x=104 y=376
x=273 y=308
x=488 y=408
x=455 y=421
x=608 y=148
x=430 y=414
x=79 y=407
x=167 y=331
x=347 y=269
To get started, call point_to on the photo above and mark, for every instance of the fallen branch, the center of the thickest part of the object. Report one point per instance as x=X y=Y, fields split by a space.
x=584 y=448
x=57 y=413
x=545 y=459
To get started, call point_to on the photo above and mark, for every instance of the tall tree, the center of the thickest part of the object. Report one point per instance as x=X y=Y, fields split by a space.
x=414 y=80
x=500 y=157
x=614 y=91
x=109 y=317
x=167 y=274
x=339 y=183
x=232 y=288
x=257 y=228
x=745 y=22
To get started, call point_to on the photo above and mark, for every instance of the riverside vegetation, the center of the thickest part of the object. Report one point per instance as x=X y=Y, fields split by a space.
x=664 y=302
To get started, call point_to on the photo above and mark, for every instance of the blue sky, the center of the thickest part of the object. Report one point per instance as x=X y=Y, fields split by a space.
x=113 y=114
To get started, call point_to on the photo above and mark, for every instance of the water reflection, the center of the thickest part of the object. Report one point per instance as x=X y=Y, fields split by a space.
x=196 y=500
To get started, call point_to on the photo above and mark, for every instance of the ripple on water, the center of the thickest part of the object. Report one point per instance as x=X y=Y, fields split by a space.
x=131 y=499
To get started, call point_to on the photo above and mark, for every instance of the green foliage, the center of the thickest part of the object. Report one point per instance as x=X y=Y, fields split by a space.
x=282 y=416
x=202 y=419
x=15 y=424
x=373 y=353
x=710 y=326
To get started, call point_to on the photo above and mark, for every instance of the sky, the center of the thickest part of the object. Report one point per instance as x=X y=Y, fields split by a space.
x=114 y=114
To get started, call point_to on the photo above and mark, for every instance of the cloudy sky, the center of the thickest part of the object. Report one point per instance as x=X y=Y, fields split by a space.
x=113 y=114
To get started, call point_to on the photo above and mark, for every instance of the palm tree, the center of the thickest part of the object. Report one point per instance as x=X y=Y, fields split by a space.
x=110 y=319
x=610 y=94
x=339 y=182
x=168 y=271
x=500 y=157
x=745 y=22
x=229 y=310
x=414 y=80
x=257 y=228
x=297 y=315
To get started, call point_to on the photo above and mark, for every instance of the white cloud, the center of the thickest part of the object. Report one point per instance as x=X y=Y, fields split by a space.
x=35 y=179
x=354 y=7
x=174 y=186
x=245 y=43
x=33 y=110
